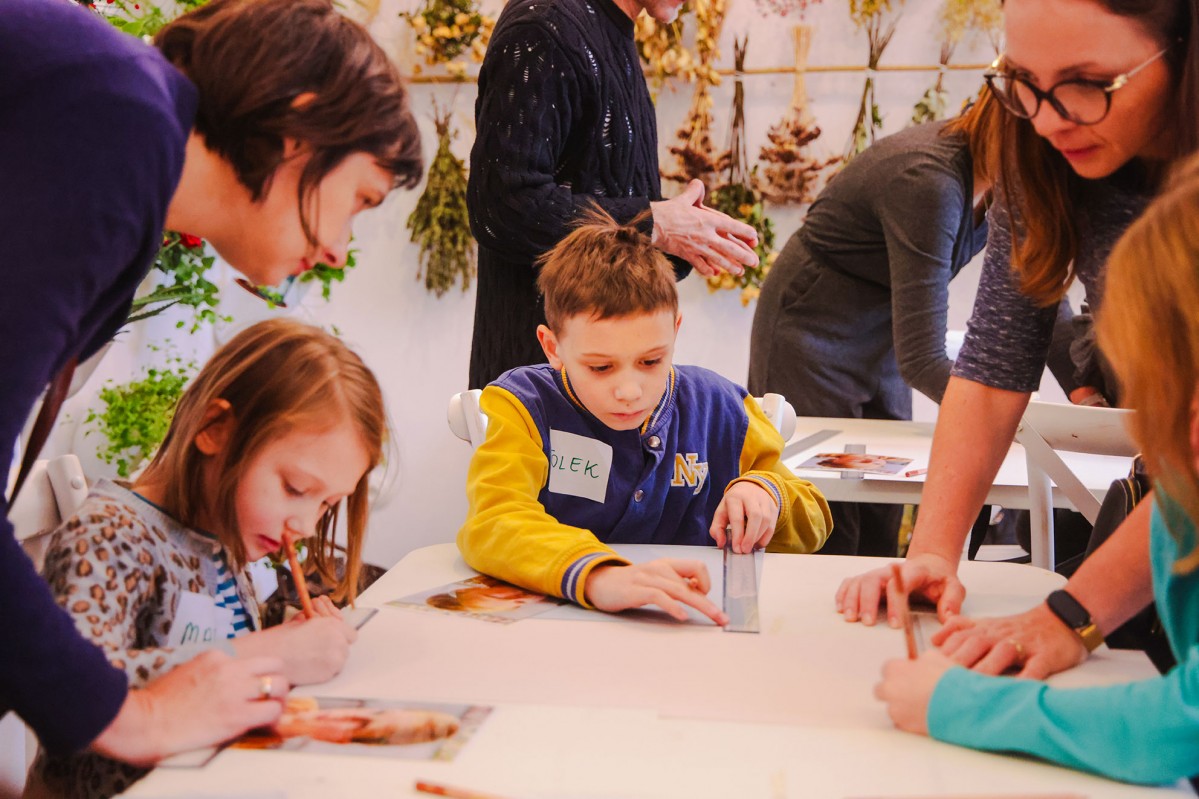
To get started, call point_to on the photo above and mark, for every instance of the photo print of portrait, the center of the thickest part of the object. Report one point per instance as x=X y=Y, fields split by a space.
x=480 y=597
x=856 y=462
x=369 y=728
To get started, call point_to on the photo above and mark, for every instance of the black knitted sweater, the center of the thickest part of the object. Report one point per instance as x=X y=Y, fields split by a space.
x=563 y=117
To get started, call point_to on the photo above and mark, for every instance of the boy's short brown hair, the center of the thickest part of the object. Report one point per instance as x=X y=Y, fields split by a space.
x=605 y=270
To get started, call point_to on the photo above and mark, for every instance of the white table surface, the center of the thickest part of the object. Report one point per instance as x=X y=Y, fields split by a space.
x=619 y=707
x=914 y=440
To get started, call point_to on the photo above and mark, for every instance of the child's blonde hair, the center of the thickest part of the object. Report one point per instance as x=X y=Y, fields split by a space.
x=277 y=376
x=605 y=269
x=1149 y=329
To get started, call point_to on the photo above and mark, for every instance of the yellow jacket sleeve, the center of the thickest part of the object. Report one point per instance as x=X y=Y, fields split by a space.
x=804 y=518
x=508 y=533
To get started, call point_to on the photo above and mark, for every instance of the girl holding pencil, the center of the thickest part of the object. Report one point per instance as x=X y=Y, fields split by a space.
x=1144 y=731
x=275 y=436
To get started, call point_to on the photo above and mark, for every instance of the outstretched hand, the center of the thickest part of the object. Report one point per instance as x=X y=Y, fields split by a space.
x=928 y=576
x=669 y=583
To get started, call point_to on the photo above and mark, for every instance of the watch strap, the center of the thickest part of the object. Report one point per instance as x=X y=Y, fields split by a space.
x=1072 y=613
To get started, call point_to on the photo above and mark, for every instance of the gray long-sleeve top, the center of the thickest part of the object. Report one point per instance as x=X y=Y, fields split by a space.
x=901 y=215
x=1008 y=335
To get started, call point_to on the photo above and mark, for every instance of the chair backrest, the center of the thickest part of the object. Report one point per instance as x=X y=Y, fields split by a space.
x=469 y=423
x=1046 y=429
x=779 y=412
x=466 y=418
x=52 y=492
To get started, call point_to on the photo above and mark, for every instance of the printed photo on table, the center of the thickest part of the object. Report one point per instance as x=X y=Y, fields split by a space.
x=369 y=728
x=480 y=597
x=856 y=462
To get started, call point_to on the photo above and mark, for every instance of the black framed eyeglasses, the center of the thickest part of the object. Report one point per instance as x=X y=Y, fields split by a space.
x=1082 y=101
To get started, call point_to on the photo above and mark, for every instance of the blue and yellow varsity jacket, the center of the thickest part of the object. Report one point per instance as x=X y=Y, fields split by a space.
x=551 y=485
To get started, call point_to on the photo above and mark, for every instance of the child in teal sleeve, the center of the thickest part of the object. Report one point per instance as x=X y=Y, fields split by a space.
x=1145 y=731
x=612 y=443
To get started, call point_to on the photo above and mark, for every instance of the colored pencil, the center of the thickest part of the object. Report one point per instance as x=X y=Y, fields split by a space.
x=297 y=576
x=439 y=789
x=905 y=613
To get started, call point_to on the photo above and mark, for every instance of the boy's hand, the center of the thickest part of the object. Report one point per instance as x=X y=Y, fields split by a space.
x=751 y=512
x=665 y=582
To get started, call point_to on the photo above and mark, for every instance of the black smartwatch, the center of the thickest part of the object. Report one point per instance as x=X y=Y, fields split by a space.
x=1076 y=617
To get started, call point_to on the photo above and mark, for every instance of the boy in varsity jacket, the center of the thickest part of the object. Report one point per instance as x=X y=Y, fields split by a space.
x=611 y=443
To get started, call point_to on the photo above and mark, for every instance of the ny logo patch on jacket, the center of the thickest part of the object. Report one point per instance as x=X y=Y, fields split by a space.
x=689 y=470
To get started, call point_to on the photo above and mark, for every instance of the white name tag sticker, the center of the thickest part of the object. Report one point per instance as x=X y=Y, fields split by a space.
x=579 y=466
x=199 y=621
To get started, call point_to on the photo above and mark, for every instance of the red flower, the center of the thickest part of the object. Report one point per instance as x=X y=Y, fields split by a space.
x=190 y=241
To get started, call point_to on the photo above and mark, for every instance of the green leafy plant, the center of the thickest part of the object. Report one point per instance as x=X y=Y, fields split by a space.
x=183 y=261
x=440 y=224
x=136 y=415
x=141 y=18
x=321 y=273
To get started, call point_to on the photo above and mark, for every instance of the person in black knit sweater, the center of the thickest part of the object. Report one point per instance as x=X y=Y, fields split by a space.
x=564 y=119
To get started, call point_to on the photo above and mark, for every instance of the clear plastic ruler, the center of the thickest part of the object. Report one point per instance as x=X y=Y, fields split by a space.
x=741 y=592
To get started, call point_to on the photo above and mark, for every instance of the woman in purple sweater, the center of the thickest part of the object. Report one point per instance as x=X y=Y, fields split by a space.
x=261 y=126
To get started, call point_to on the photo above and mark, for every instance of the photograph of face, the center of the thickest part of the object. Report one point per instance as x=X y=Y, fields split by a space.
x=480 y=597
x=369 y=728
x=856 y=462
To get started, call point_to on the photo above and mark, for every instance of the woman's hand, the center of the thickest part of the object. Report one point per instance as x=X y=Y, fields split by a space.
x=668 y=583
x=929 y=576
x=203 y=702
x=751 y=513
x=907 y=687
x=1035 y=642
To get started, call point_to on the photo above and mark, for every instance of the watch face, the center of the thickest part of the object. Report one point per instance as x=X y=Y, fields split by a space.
x=1069 y=610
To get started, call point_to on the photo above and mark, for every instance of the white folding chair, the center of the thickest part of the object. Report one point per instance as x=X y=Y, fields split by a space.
x=53 y=490
x=1050 y=427
x=466 y=418
x=469 y=423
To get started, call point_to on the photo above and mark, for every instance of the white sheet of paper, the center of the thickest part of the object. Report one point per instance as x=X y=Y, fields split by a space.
x=198 y=620
x=579 y=466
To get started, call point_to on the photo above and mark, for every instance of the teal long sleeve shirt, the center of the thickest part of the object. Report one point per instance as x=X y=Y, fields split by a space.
x=1146 y=731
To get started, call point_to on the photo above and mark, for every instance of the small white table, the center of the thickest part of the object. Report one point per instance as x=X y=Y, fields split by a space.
x=914 y=440
x=622 y=708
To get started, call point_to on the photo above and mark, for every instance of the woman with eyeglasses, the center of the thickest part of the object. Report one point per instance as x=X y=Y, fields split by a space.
x=1102 y=99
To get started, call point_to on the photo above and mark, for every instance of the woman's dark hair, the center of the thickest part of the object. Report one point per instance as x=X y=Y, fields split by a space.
x=270 y=70
x=1045 y=190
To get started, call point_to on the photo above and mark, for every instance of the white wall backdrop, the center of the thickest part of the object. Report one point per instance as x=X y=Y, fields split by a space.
x=419 y=345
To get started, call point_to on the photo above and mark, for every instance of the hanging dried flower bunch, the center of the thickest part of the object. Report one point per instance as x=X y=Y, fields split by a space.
x=791 y=175
x=694 y=155
x=737 y=196
x=784 y=8
x=958 y=18
x=447 y=29
x=666 y=56
x=877 y=19
x=439 y=223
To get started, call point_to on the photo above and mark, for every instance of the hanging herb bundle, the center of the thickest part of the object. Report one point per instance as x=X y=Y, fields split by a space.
x=184 y=265
x=694 y=155
x=661 y=48
x=784 y=8
x=957 y=18
x=877 y=19
x=448 y=29
x=666 y=56
x=440 y=224
x=791 y=175
x=737 y=196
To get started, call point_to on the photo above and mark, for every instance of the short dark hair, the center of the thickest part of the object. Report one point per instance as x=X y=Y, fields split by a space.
x=606 y=270
x=251 y=59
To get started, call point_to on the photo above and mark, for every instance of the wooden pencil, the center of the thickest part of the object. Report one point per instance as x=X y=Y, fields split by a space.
x=297 y=575
x=440 y=789
x=905 y=613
